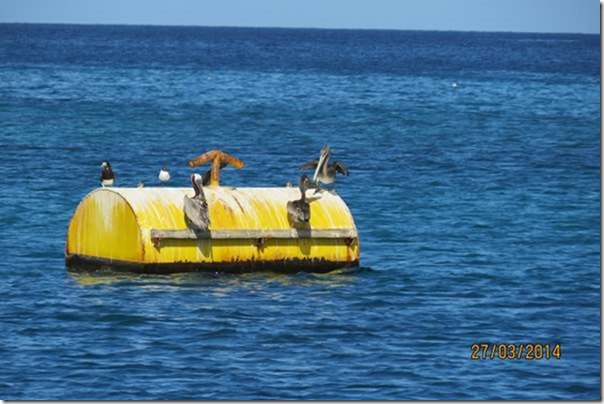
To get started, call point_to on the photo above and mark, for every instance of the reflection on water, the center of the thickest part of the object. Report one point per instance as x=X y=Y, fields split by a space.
x=219 y=282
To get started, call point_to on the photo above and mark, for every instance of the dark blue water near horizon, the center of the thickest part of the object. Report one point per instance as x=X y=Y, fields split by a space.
x=475 y=187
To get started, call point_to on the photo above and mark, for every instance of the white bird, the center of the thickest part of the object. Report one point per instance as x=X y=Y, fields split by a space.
x=164 y=174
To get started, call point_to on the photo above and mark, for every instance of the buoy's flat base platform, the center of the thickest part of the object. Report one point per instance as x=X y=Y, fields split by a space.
x=77 y=264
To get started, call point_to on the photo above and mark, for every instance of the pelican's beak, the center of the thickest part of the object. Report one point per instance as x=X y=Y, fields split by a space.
x=325 y=150
x=322 y=160
x=195 y=182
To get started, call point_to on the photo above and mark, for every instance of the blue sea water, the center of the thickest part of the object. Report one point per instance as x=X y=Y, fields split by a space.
x=475 y=186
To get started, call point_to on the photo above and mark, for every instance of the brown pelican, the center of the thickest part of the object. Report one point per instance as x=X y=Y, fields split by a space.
x=164 y=174
x=299 y=209
x=325 y=172
x=196 y=207
x=107 y=175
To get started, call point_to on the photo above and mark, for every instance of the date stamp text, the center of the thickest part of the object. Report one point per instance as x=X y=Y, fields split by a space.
x=509 y=351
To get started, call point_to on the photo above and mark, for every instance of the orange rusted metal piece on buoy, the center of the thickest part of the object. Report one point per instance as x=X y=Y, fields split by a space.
x=219 y=160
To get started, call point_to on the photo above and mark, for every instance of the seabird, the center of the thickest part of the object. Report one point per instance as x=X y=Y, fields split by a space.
x=107 y=175
x=196 y=207
x=164 y=175
x=207 y=176
x=140 y=184
x=299 y=210
x=325 y=172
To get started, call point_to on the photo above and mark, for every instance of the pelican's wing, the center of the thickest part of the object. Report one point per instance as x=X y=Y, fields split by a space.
x=310 y=164
x=341 y=168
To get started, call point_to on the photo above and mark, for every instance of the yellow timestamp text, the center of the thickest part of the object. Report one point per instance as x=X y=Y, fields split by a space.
x=509 y=351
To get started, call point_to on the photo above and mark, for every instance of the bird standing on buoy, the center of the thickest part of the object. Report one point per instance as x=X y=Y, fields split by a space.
x=164 y=174
x=196 y=206
x=299 y=210
x=207 y=176
x=325 y=172
x=107 y=175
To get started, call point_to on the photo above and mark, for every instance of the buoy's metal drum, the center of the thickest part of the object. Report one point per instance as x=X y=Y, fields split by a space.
x=144 y=230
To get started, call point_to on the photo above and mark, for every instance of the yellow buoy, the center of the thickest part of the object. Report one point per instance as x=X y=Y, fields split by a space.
x=145 y=230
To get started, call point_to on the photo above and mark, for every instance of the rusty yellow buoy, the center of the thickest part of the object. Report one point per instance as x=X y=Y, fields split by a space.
x=145 y=230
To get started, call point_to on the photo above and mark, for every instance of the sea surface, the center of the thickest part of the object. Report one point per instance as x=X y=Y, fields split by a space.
x=474 y=182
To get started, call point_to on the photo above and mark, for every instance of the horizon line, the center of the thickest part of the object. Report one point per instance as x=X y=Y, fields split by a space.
x=294 y=28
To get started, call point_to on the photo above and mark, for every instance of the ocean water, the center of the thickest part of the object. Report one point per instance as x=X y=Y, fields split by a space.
x=475 y=186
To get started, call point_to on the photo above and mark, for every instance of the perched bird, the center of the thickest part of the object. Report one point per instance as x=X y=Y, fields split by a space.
x=107 y=175
x=140 y=184
x=207 y=176
x=196 y=207
x=164 y=174
x=299 y=209
x=325 y=172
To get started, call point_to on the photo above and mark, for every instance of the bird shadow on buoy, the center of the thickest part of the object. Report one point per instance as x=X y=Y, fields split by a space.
x=303 y=231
